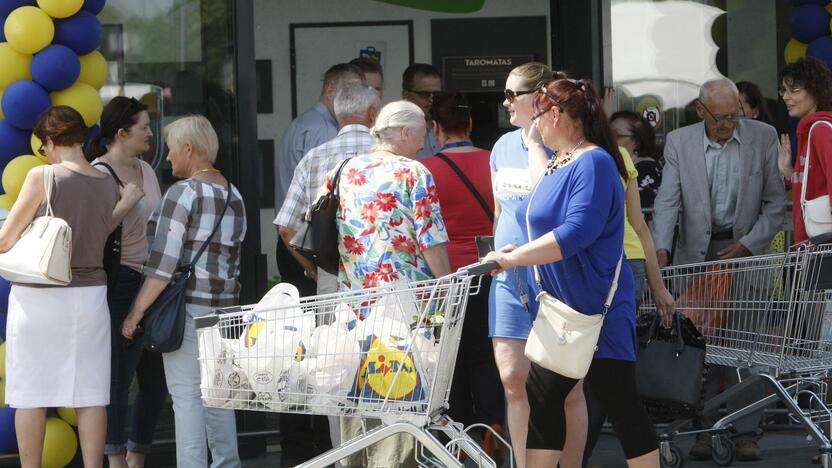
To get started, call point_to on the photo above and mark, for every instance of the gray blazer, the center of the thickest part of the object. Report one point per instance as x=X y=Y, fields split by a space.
x=761 y=200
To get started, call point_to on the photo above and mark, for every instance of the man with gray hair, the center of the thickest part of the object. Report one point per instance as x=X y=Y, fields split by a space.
x=720 y=181
x=356 y=106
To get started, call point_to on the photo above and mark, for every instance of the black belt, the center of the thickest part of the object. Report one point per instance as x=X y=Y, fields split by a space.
x=722 y=235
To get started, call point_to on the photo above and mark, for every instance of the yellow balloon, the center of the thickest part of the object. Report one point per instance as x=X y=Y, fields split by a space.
x=60 y=8
x=83 y=98
x=6 y=201
x=36 y=144
x=59 y=444
x=794 y=50
x=14 y=66
x=2 y=393
x=829 y=7
x=15 y=173
x=29 y=29
x=3 y=361
x=69 y=415
x=94 y=69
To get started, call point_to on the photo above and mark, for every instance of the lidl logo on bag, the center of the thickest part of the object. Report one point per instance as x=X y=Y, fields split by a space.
x=387 y=372
x=251 y=333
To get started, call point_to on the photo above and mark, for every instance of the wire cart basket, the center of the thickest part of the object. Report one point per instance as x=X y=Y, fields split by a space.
x=386 y=353
x=770 y=317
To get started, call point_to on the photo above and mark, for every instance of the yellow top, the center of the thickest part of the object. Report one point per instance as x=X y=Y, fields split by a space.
x=632 y=244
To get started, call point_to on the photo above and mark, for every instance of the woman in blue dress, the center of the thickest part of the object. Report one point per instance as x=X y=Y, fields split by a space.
x=573 y=228
x=509 y=321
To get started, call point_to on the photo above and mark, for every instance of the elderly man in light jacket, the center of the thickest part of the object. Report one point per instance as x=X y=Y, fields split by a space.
x=720 y=181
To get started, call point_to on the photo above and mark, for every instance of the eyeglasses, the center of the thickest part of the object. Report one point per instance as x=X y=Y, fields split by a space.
x=729 y=119
x=424 y=94
x=792 y=91
x=542 y=90
x=511 y=95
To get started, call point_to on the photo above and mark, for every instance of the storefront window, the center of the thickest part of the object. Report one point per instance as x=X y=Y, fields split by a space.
x=662 y=51
x=176 y=56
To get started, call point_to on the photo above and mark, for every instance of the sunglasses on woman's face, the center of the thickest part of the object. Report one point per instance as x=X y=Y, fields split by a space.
x=512 y=95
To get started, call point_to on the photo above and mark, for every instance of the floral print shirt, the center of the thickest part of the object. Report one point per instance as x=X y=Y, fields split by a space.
x=389 y=214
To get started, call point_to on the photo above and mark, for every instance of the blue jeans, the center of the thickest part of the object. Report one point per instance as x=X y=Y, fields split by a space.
x=640 y=277
x=129 y=359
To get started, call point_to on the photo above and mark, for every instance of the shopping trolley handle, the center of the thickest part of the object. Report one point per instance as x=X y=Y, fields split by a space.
x=479 y=269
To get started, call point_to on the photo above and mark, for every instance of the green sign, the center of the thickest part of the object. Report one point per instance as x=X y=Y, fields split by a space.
x=441 y=6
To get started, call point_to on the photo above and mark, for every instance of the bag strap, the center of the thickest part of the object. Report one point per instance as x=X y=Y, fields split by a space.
x=613 y=287
x=336 y=179
x=807 y=165
x=190 y=266
x=48 y=181
x=112 y=172
x=465 y=180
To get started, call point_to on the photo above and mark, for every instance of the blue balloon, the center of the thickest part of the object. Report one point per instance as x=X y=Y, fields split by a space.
x=94 y=6
x=55 y=67
x=13 y=142
x=81 y=32
x=821 y=49
x=8 y=436
x=23 y=103
x=92 y=134
x=2 y=29
x=809 y=22
x=8 y=6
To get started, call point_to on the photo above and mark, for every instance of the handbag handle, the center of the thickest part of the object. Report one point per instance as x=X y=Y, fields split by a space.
x=112 y=172
x=677 y=324
x=613 y=287
x=465 y=180
x=48 y=180
x=807 y=165
x=336 y=179
x=190 y=266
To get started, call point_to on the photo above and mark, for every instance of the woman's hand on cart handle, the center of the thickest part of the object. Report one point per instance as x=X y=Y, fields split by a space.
x=501 y=258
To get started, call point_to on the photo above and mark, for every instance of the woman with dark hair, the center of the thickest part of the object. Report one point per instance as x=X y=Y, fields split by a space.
x=463 y=180
x=634 y=133
x=752 y=103
x=58 y=337
x=508 y=302
x=573 y=223
x=806 y=88
x=125 y=136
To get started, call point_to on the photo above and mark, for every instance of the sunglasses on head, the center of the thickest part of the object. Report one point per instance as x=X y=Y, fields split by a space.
x=511 y=95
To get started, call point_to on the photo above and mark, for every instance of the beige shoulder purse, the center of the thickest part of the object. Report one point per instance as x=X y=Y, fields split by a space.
x=562 y=339
x=43 y=253
x=817 y=212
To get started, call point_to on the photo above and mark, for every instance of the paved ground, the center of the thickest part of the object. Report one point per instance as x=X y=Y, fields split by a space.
x=783 y=449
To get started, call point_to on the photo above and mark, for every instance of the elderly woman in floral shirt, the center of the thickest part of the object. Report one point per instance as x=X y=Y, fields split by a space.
x=389 y=228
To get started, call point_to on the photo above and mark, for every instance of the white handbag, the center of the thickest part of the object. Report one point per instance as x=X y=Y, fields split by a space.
x=817 y=212
x=562 y=339
x=43 y=253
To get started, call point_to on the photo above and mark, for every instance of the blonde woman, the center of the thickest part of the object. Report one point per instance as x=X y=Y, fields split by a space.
x=181 y=224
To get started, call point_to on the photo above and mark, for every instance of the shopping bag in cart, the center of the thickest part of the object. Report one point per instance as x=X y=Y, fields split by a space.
x=334 y=356
x=670 y=362
x=704 y=301
x=387 y=372
x=223 y=382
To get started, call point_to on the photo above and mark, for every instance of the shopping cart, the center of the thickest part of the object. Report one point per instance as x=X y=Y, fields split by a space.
x=386 y=353
x=770 y=317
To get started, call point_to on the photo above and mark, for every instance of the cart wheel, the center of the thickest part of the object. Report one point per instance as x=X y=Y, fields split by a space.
x=675 y=460
x=723 y=450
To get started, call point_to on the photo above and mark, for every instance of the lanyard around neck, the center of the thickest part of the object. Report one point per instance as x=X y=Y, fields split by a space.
x=456 y=144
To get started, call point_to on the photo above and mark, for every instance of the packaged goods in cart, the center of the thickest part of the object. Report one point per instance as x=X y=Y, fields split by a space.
x=224 y=383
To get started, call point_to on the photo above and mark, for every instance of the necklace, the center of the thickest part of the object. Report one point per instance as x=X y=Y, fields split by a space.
x=209 y=169
x=557 y=163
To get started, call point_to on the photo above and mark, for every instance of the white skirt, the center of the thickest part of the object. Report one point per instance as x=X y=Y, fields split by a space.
x=58 y=347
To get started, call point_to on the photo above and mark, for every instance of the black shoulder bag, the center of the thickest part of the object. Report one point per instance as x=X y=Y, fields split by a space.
x=163 y=326
x=318 y=240
x=112 y=248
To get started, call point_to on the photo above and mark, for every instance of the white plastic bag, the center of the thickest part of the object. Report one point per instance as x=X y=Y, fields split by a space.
x=334 y=358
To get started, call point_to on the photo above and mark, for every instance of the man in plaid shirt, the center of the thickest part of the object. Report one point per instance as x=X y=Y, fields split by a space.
x=356 y=107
